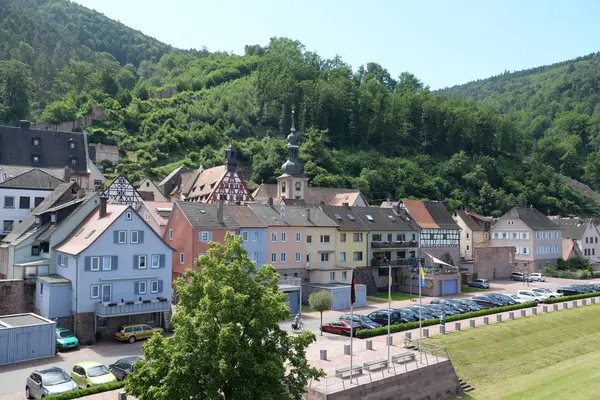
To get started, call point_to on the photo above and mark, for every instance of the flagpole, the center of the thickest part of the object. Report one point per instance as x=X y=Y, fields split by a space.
x=352 y=322
x=421 y=276
x=389 y=311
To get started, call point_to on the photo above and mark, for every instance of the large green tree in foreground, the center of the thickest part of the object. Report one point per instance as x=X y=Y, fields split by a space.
x=227 y=342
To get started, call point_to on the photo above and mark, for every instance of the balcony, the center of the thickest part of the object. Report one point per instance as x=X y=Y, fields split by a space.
x=394 y=245
x=138 y=307
x=394 y=263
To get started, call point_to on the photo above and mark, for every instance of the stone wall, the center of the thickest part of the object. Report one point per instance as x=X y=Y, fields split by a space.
x=17 y=296
x=437 y=381
x=494 y=262
x=84 y=328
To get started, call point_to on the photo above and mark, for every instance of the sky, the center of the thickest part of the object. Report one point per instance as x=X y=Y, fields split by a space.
x=443 y=43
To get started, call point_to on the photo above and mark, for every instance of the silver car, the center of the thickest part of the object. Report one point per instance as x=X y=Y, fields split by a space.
x=47 y=382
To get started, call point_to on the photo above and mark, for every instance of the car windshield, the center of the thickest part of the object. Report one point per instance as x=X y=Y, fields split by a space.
x=365 y=319
x=97 y=371
x=65 y=334
x=55 y=378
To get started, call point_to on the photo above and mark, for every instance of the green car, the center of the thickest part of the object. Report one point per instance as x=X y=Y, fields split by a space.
x=66 y=340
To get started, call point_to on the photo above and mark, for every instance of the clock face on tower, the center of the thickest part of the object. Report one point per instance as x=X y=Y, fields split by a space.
x=298 y=185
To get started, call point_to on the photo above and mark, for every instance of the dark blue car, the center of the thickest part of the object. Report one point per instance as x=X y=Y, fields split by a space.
x=365 y=322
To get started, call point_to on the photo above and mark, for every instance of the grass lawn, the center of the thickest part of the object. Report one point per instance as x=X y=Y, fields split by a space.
x=307 y=309
x=395 y=296
x=376 y=299
x=551 y=356
x=468 y=289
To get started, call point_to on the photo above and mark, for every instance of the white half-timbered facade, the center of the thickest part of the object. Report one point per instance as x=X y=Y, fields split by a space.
x=122 y=191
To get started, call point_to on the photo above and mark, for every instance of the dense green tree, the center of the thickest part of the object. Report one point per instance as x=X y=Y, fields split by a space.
x=15 y=84
x=320 y=301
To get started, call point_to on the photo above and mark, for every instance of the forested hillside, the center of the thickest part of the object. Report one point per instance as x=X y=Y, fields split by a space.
x=389 y=136
x=557 y=106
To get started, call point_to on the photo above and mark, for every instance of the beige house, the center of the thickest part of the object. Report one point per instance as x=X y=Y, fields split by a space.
x=474 y=232
x=538 y=240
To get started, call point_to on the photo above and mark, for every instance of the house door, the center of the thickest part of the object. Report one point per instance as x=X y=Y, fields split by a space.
x=106 y=293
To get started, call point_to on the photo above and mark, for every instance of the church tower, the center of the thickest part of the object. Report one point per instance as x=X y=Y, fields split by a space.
x=291 y=184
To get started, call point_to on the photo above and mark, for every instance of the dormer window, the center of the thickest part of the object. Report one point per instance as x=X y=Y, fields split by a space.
x=35 y=141
x=35 y=159
x=73 y=161
x=72 y=144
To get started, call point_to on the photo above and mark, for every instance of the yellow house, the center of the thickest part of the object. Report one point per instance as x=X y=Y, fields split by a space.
x=351 y=241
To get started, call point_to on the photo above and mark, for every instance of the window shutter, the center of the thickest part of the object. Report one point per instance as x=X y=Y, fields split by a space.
x=140 y=236
x=88 y=263
x=210 y=235
x=136 y=261
x=162 y=261
x=116 y=236
x=136 y=288
x=115 y=262
x=160 y=286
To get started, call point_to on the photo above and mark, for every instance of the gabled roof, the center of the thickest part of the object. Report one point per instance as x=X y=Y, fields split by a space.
x=573 y=228
x=312 y=195
x=243 y=216
x=158 y=209
x=346 y=217
x=292 y=216
x=570 y=249
x=474 y=222
x=122 y=191
x=91 y=229
x=34 y=179
x=191 y=178
x=206 y=183
x=54 y=149
x=11 y=171
x=62 y=194
x=429 y=214
x=386 y=219
x=201 y=215
x=533 y=218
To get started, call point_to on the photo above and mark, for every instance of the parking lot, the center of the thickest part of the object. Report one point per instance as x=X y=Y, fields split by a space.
x=12 y=377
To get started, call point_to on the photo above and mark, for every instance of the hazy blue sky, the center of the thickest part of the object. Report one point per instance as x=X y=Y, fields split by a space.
x=442 y=42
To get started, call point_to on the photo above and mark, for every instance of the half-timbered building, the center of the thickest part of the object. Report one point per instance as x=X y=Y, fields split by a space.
x=122 y=191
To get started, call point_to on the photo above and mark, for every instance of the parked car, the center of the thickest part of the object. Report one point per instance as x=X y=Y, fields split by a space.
x=570 y=290
x=365 y=322
x=123 y=367
x=502 y=298
x=46 y=382
x=341 y=327
x=91 y=373
x=133 y=332
x=461 y=308
x=530 y=295
x=424 y=312
x=437 y=309
x=537 y=277
x=519 y=276
x=480 y=283
x=473 y=306
x=381 y=316
x=547 y=292
x=486 y=302
x=66 y=340
x=411 y=314
x=518 y=299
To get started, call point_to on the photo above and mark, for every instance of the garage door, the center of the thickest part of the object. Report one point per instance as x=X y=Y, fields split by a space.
x=450 y=287
x=293 y=299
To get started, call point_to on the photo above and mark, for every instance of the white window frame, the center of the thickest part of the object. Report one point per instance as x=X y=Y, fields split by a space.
x=325 y=255
x=298 y=257
x=323 y=239
x=182 y=258
x=153 y=258
x=92 y=259
x=140 y=258
x=357 y=235
x=124 y=237
x=145 y=291
x=152 y=283
x=344 y=275
x=204 y=236
x=283 y=257
x=332 y=276
x=245 y=236
x=13 y=201
x=283 y=237
x=128 y=216
x=354 y=256
x=104 y=259
x=137 y=237
x=343 y=237
x=63 y=260
x=255 y=237
x=273 y=258
x=170 y=234
x=342 y=256
x=298 y=237
x=97 y=287
x=273 y=237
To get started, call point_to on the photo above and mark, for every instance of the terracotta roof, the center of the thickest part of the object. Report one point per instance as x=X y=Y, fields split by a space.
x=244 y=216
x=532 y=218
x=201 y=215
x=292 y=216
x=474 y=222
x=157 y=210
x=570 y=248
x=312 y=195
x=91 y=229
x=206 y=183
x=33 y=179
x=420 y=214
x=346 y=218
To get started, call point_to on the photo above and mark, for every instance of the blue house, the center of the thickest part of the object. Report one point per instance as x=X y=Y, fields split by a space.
x=252 y=230
x=113 y=269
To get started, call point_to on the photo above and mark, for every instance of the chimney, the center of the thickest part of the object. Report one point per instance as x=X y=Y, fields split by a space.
x=220 y=212
x=308 y=214
x=270 y=201
x=102 y=208
x=67 y=174
x=398 y=208
x=24 y=124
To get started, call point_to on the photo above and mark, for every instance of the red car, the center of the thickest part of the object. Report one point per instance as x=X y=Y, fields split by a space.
x=340 y=327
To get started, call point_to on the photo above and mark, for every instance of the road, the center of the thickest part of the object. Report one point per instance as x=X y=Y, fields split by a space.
x=12 y=377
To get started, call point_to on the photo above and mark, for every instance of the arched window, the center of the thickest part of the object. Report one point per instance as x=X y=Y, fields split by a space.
x=298 y=185
x=283 y=187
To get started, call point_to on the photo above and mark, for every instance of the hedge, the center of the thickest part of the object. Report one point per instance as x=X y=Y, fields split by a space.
x=88 y=391
x=367 y=333
x=574 y=297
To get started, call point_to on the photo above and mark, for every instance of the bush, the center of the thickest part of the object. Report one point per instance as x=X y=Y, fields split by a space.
x=568 y=274
x=88 y=391
x=574 y=297
x=367 y=333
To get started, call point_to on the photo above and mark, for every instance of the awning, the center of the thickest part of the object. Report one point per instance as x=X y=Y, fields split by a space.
x=436 y=260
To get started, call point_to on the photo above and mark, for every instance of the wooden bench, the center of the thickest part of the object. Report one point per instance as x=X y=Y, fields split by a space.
x=404 y=357
x=381 y=363
x=340 y=373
